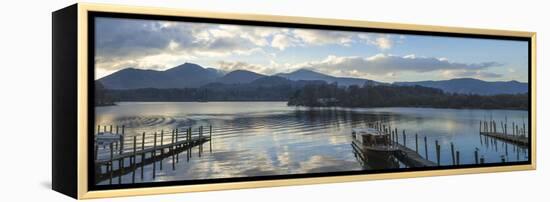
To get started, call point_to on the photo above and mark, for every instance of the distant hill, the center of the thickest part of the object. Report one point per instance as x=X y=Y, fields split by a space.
x=309 y=75
x=472 y=86
x=187 y=75
x=239 y=76
x=191 y=75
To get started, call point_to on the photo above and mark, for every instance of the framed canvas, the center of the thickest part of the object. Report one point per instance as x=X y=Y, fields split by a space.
x=157 y=100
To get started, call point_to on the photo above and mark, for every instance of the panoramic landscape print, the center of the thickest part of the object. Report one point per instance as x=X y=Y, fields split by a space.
x=182 y=101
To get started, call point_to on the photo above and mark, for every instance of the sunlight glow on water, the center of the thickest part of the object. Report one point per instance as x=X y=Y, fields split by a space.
x=269 y=138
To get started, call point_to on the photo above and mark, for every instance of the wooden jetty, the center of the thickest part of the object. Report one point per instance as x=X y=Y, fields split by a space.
x=411 y=156
x=517 y=136
x=123 y=157
x=407 y=156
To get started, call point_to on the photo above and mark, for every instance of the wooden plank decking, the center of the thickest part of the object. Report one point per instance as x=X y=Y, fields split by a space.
x=516 y=139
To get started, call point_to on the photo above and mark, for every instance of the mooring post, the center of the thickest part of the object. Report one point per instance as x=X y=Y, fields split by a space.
x=479 y=126
x=111 y=163
x=482 y=160
x=453 y=153
x=153 y=155
x=426 y=147
x=173 y=151
x=121 y=146
x=416 y=141
x=210 y=138
x=200 y=141
x=177 y=146
x=404 y=139
x=437 y=152
x=161 y=148
x=457 y=157
x=502 y=159
x=396 y=136
x=476 y=155
x=134 y=160
x=142 y=153
x=187 y=132
x=189 y=144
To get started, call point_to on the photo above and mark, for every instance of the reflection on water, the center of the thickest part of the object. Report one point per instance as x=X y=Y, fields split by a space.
x=269 y=138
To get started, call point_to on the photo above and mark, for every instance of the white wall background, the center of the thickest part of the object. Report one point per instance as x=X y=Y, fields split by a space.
x=25 y=109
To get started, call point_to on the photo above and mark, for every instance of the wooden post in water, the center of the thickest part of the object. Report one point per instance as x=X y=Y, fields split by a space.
x=210 y=138
x=177 y=146
x=142 y=154
x=396 y=136
x=476 y=153
x=482 y=160
x=153 y=155
x=162 y=148
x=426 y=147
x=457 y=157
x=502 y=159
x=480 y=126
x=438 y=152
x=416 y=141
x=200 y=143
x=173 y=150
x=453 y=153
x=134 y=160
x=404 y=139
x=190 y=142
x=111 y=163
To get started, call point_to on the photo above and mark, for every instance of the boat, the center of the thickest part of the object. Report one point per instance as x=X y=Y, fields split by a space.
x=374 y=145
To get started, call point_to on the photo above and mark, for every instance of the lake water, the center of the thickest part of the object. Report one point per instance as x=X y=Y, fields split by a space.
x=270 y=138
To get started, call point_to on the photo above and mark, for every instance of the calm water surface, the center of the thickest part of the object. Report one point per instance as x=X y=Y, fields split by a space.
x=270 y=138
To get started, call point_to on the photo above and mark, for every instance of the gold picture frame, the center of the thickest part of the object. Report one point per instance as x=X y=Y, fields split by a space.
x=78 y=187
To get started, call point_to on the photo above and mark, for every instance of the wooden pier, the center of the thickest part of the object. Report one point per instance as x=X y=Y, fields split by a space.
x=123 y=157
x=518 y=135
x=411 y=155
x=411 y=158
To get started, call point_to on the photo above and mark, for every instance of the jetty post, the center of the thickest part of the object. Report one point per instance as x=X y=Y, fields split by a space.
x=404 y=139
x=133 y=162
x=426 y=147
x=476 y=153
x=111 y=163
x=153 y=154
x=176 y=146
x=142 y=160
x=453 y=153
x=416 y=141
x=438 y=152
x=162 y=148
x=173 y=150
x=210 y=138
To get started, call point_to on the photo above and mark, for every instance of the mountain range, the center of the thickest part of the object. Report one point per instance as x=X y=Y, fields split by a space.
x=191 y=75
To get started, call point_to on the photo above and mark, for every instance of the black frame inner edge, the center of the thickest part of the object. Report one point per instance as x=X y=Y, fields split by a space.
x=91 y=109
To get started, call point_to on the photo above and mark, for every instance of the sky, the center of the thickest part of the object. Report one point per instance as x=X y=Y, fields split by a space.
x=160 y=45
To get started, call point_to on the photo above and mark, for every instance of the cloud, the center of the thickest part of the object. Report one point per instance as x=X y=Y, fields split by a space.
x=382 y=41
x=471 y=74
x=281 y=41
x=229 y=66
x=122 y=43
x=390 y=65
x=323 y=37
